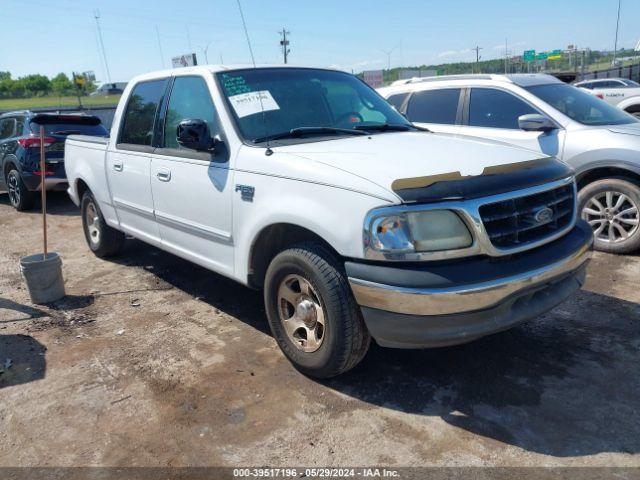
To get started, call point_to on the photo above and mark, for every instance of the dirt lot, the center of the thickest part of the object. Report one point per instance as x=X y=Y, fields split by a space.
x=152 y=361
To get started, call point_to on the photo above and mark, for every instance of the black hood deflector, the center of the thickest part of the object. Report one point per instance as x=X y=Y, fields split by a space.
x=492 y=181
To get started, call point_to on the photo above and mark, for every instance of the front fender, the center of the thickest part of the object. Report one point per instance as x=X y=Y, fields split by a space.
x=334 y=214
x=629 y=102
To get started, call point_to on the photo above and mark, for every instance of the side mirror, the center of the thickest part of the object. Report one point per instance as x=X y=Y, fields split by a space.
x=535 y=122
x=194 y=133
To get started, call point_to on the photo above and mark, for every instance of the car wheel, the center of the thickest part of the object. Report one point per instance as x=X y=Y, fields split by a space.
x=612 y=207
x=20 y=197
x=103 y=240
x=312 y=313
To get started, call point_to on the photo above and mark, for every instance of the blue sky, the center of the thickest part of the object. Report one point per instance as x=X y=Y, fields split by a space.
x=50 y=36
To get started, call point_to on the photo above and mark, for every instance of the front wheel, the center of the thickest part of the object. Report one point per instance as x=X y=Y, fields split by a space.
x=103 y=240
x=612 y=207
x=312 y=312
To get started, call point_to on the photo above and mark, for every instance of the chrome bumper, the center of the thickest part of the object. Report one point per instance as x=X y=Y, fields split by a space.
x=463 y=298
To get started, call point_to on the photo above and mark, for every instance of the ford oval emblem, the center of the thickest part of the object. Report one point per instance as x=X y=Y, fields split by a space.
x=544 y=215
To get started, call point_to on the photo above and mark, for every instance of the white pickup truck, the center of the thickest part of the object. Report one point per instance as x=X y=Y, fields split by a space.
x=356 y=224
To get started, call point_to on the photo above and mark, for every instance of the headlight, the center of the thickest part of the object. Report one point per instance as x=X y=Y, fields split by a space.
x=425 y=231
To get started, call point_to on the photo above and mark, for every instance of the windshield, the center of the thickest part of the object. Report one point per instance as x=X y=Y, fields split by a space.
x=631 y=83
x=303 y=98
x=580 y=105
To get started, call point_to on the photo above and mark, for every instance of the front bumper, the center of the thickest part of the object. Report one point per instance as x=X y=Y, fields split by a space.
x=450 y=303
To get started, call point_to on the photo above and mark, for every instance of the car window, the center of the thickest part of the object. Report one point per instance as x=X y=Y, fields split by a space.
x=496 y=109
x=141 y=110
x=19 y=126
x=434 y=106
x=190 y=99
x=588 y=85
x=69 y=128
x=631 y=83
x=580 y=105
x=7 y=128
x=397 y=100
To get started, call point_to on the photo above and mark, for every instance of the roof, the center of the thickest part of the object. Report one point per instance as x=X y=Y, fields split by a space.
x=520 y=79
x=213 y=69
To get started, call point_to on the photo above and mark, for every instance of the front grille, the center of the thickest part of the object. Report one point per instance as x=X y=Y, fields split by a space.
x=518 y=221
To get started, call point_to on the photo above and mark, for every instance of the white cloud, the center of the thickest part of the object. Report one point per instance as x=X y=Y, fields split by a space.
x=453 y=53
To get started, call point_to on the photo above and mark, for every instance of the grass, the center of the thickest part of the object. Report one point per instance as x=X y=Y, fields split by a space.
x=56 y=102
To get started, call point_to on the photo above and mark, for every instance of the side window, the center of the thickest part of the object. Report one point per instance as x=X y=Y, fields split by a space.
x=496 y=109
x=7 y=128
x=141 y=111
x=397 y=100
x=586 y=85
x=19 y=126
x=434 y=106
x=190 y=98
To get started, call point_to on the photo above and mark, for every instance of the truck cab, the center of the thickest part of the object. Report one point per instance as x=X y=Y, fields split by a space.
x=356 y=224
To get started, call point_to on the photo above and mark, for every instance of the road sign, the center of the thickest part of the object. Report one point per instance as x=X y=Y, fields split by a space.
x=529 y=55
x=555 y=55
x=542 y=56
x=188 y=60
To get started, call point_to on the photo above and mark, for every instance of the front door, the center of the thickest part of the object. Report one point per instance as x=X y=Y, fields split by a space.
x=129 y=163
x=192 y=190
x=493 y=113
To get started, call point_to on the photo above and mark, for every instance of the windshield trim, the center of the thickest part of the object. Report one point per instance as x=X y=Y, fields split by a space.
x=311 y=139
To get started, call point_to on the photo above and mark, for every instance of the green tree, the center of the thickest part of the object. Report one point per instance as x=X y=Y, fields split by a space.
x=60 y=84
x=5 y=76
x=37 y=85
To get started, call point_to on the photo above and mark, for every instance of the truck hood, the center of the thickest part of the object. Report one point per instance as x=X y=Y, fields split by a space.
x=628 y=129
x=385 y=158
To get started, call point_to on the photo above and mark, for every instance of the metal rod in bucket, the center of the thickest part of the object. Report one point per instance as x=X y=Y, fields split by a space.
x=43 y=191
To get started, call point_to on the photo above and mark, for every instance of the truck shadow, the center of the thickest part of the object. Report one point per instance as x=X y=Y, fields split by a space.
x=565 y=385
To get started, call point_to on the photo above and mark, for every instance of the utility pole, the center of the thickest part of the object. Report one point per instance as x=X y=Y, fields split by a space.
x=477 y=50
x=96 y=15
x=284 y=43
x=615 y=48
x=160 y=46
x=506 y=56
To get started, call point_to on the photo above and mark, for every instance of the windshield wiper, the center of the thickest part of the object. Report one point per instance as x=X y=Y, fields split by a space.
x=386 y=127
x=297 y=132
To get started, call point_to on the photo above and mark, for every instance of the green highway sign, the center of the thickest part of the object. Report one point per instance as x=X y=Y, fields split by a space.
x=529 y=55
x=555 y=55
x=542 y=56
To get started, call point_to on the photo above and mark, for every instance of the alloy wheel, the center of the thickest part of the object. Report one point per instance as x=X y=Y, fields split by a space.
x=301 y=313
x=92 y=221
x=13 y=187
x=613 y=216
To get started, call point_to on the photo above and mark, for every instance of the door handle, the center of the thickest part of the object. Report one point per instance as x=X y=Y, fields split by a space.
x=163 y=175
x=118 y=166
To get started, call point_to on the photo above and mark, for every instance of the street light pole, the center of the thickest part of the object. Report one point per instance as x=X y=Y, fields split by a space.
x=615 y=47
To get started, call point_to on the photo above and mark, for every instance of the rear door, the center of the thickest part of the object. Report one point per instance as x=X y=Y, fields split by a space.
x=192 y=190
x=493 y=113
x=439 y=110
x=129 y=163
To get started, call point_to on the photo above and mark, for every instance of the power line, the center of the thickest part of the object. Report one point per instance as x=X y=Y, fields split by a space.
x=284 y=43
x=96 y=15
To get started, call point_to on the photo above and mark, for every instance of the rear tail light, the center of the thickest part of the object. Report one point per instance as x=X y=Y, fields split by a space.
x=600 y=96
x=34 y=142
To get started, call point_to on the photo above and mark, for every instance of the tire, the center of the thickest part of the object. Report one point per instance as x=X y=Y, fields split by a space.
x=343 y=336
x=103 y=240
x=612 y=207
x=20 y=197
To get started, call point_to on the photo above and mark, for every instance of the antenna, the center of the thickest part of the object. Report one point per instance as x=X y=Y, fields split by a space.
x=160 y=46
x=268 y=151
x=246 y=34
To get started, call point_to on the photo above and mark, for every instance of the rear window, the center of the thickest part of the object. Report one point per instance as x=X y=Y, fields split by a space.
x=69 y=129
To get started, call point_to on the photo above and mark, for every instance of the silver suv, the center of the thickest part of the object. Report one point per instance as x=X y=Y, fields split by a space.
x=539 y=112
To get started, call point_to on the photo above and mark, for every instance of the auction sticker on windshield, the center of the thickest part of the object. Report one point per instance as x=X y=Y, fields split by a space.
x=251 y=103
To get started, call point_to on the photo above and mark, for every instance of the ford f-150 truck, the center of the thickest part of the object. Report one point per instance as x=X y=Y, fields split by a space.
x=306 y=184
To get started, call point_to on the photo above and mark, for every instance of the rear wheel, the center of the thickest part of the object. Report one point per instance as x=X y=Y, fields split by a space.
x=20 y=197
x=312 y=312
x=612 y=207
x=103 y=240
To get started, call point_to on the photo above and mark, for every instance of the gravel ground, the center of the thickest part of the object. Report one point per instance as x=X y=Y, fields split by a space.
x=152 y=361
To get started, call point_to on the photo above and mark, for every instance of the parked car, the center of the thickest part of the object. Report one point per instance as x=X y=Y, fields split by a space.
x=307 y=184
x=109 y=89
x=619 y=92
x=543 y=114
x=20 y=151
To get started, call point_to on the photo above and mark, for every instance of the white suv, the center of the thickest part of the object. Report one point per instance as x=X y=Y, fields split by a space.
x=539 y=112
x=619 y=92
